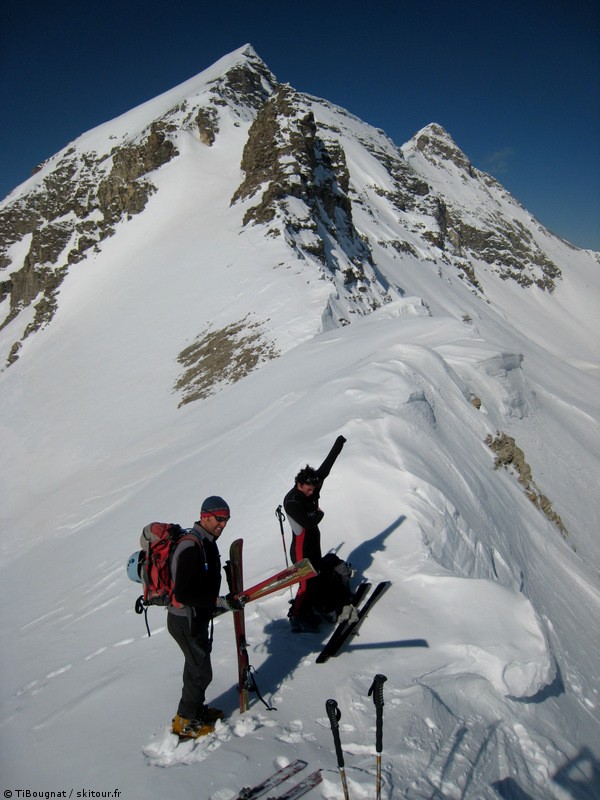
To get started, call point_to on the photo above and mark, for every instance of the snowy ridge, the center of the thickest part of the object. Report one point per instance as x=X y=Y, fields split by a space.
x=131 y=125
x=487 y=633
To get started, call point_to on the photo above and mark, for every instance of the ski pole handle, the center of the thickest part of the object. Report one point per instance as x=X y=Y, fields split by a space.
x=334 y=715
x=376 y=691
x=280 y=517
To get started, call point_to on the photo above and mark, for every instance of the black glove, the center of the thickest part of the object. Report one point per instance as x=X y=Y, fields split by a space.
x=340 y=441
x=236 y=602
x=231 y=603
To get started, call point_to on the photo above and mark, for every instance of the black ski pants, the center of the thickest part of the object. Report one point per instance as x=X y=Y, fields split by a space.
x=197 y=669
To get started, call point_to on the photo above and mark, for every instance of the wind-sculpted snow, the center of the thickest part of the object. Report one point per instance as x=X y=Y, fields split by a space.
x=509 y=649
x=516 y=399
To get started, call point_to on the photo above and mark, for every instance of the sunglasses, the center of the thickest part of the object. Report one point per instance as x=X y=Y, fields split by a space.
x=221 y=519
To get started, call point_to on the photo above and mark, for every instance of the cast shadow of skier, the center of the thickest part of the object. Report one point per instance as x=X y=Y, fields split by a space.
x=362 y=557
x=286 y=650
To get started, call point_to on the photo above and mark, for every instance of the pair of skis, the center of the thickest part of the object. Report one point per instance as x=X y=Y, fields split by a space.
x=235 y=577
x=295 y=791
x=348 y=628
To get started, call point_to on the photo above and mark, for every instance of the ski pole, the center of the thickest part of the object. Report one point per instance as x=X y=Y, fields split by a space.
x=280 y=516
x=377 y=691
x=334 y=715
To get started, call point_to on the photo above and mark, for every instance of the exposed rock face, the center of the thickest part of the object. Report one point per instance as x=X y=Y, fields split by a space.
x=208 y=127
x=221 y=357
x=510 y=456
x=247 y=85
x=288 y=156
x=73 y=210
x=285 y=152
x=502 y=242
x=436 y=143
x=124 y=192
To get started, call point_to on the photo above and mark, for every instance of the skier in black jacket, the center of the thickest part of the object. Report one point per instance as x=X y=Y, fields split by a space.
x=301 y=505
x=196 y=570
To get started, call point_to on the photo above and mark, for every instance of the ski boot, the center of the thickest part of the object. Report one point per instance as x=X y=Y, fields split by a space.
x=191 y=728
x=210 y=714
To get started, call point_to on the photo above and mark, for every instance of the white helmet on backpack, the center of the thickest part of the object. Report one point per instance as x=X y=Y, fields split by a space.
x=133 y=567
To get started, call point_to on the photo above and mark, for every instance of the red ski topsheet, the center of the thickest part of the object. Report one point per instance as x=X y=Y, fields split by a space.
x=281 y=580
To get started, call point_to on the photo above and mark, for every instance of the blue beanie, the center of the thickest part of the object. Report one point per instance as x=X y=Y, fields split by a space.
x=214 y=506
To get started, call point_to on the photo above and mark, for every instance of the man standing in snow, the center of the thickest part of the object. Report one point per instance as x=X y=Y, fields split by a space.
x=301 y=505
x=196 y=571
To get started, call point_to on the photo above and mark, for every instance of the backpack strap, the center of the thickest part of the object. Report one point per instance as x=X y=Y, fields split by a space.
x=188 y=536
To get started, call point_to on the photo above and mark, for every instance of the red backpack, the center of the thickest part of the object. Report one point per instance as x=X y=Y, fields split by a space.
x=153 y=567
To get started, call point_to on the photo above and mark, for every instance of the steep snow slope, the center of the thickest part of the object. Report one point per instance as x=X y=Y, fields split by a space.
x=505 y=688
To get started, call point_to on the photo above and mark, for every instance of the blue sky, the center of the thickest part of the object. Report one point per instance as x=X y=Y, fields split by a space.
x=516 y=84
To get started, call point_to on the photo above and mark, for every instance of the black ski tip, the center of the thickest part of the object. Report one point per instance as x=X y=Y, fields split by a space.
x=347 y=629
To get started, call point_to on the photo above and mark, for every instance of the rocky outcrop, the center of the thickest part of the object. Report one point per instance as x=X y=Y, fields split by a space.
x=508 y=247
x=246 y=85
x=510 y=456
x=438 y=145
x=221 y=357
x=287 y=156
x=76 y=206
x=500 y=240
x=207 y=124
x=125 y=191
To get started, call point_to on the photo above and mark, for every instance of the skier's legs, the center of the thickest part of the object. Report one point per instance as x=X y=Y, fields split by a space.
x=299 y=605
x=197 y=670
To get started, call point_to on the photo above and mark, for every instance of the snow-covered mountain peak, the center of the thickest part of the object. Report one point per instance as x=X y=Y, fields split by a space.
x=436 y=143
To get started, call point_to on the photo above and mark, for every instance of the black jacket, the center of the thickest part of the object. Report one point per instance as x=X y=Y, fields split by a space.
x=304 y=513
x=198 y=574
